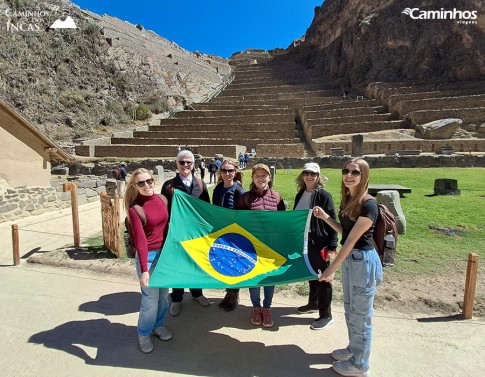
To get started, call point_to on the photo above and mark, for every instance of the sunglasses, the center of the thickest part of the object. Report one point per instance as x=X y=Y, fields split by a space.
x=354 y=173
x=149 y=182
x=185 y=163
x=227 y=171
x=313 y=174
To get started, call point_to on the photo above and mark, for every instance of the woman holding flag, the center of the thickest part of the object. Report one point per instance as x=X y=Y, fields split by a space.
x=322 y=241
x=226 y=194
x=148 y=237
x=263 y=198
x=361 y=266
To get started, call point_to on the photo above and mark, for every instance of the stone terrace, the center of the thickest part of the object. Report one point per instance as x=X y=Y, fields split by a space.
x=256 y=111
x=399 y=107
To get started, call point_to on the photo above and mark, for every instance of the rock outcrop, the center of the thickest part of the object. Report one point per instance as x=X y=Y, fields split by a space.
x=439 y=129
x=363 y=41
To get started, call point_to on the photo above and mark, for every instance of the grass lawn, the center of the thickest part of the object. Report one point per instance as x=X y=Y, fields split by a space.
x=441 y=230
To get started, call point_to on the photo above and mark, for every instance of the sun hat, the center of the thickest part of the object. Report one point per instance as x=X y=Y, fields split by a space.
x=312 y=166
x=261 y=167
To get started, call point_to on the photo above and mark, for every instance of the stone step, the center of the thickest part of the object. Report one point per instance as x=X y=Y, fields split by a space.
x=321 y=130
x=225 y=127
x=404 y=107
x=232 y=112
x=278 y=89
x=320 y=94
x=469 y=115
x=349 y=119
x=338 y=104
x=394 y=99
x=233 y=119
x=240 y=106
x=332 y=113
x=247 y=142
x=205 y=133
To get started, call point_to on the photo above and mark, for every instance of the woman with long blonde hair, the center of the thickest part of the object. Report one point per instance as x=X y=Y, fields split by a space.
x=361 y=266
x=148 y=238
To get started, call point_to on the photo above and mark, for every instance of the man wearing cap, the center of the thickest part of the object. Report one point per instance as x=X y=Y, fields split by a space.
x=322 y=241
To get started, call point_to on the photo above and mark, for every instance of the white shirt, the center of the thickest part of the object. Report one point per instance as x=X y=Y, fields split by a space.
x=187 y=180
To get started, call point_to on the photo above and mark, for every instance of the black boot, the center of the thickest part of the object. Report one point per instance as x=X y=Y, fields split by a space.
x=232 y=301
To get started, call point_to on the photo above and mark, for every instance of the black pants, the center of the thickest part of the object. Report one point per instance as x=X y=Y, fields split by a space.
x=321 y=295
x=320 y=292
x=178 y=293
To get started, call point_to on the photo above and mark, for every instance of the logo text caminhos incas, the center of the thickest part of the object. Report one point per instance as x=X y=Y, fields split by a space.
x=442 y=14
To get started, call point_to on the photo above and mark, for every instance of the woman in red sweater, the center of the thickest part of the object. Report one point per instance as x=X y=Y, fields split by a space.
x=148 y=239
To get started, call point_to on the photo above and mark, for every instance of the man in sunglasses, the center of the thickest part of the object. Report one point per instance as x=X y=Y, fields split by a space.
x=185 y=181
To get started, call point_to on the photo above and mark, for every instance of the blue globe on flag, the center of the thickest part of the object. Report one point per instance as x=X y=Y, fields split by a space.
x=232 y=254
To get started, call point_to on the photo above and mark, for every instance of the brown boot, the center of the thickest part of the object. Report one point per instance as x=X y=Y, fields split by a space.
x=256 y=318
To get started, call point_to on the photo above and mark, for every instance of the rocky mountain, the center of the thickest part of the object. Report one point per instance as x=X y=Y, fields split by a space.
x=95 y=79
x=397 y=40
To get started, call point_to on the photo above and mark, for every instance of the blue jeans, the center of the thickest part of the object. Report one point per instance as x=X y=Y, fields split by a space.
x=154 y=301
x=361 y=274
x=255 y=294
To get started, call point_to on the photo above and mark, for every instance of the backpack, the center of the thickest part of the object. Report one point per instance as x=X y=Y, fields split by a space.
x=127 y=236
x=386 y=223
x=116 y=173
x=213 y=167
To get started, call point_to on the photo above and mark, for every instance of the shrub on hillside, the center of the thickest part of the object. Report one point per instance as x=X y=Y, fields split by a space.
x=143 y=112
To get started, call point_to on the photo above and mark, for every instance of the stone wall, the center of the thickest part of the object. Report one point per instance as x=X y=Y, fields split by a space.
x=23 y=201
x=385 y=146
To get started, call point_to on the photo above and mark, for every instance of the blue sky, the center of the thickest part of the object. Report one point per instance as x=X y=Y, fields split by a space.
x=219 y=27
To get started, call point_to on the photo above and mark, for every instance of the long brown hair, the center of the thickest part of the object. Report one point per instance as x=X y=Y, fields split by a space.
x=351 y=205
x=238 y=174
x=131 y=192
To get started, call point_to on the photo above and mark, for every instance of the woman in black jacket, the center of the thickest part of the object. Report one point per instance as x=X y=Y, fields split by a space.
x=322 y=241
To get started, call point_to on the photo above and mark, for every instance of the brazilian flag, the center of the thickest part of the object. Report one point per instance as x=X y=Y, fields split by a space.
x=208 y=246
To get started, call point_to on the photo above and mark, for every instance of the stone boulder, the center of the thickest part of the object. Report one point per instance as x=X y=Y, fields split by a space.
x=438 y=129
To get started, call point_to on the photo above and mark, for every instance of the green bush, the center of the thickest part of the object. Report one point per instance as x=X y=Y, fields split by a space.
x=159 y=107
x=143 y=112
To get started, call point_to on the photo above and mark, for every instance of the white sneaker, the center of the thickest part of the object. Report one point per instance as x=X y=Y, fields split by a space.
x=163 y=333
x=346 y=368
x=175 y=309
x=146 y=345
x=204 y=301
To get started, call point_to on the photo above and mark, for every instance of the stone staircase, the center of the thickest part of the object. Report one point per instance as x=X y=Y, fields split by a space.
x=256 y=111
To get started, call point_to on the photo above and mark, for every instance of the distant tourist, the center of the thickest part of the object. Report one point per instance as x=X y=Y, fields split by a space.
x=361 y=266
x=213 y=168
x=241 y=160
x=202 y=169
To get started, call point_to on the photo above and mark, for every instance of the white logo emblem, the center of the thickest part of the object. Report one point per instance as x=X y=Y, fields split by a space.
x=68 y=23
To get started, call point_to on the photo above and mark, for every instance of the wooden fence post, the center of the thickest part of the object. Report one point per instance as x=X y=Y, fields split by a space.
x=470 y=284
x=70 y=186
x=15 y=244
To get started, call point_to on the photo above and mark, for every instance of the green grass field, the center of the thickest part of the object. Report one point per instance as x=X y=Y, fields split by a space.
x=460 y=220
